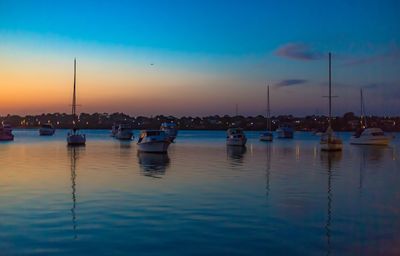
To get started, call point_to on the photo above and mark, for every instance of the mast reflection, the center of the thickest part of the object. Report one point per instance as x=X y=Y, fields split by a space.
x=329 y=159
x=268 y=169
x=74 y=155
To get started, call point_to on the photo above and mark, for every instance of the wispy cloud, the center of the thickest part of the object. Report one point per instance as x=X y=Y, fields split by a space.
x=392 y=54
x=298 y=51
x=290 y=82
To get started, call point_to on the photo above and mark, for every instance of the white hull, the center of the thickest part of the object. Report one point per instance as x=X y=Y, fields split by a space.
x=46 y=132
x=125 y=135
x=76 y=139
x=154 y=146
x=236 y=142
x=376 y=140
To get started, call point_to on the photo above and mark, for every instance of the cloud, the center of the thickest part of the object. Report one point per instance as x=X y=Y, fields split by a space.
x=392 y=54
x=290 y=82
x=298 y=51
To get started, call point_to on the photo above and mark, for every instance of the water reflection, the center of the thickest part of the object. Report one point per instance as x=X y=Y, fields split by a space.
x=153 y=165
x=73 y=153
x=372 y=154
x=268 y=169
x=236 y=154
x=329 y=159
x=124 y=144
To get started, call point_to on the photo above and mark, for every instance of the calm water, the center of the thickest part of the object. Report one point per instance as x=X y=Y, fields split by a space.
x=284 y=197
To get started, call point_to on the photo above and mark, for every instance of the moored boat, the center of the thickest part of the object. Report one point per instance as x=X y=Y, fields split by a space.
x=236 y=137
x=6 y=133
x=74 y=137
x=285 y=131
x=329 y=141
x=124 y=132
x=267 y=135
x=368 y=136
x=153 y=141
x=46 y=130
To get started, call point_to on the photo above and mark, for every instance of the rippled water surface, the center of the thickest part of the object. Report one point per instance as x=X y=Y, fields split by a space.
x=284 y=197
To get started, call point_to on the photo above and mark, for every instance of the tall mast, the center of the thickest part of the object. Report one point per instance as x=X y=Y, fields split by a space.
x=74 y=95
x=268 y=111
x=363 y=121
x=237 y=109
x=330 y=92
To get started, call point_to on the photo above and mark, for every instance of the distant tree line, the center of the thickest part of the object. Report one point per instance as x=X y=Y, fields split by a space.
x=348 y=122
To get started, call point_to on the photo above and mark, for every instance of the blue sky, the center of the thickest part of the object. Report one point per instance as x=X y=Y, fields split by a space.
x=234 y=46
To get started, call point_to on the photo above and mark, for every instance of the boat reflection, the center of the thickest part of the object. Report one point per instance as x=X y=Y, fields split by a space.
x=125 y=144
x=329 y=161
x=372 y=154
x=73 y=153
x=268 y=169
x=152 y=164
x=236 y=154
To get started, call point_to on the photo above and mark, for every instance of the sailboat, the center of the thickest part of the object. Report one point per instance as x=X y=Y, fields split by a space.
x=267 y=135
x=368 y=136
x=329 y=141
x=74 y=138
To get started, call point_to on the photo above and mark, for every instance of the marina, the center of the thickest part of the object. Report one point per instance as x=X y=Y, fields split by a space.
x=74 y=200
x=121 y=132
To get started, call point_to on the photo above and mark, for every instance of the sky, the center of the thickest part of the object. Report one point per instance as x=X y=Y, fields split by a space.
x=198 y=58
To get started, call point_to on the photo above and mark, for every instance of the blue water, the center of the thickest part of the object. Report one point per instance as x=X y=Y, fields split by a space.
x=284 y=197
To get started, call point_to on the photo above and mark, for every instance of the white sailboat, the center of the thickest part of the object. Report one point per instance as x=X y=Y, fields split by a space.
x=74 y=138
x=368 y=136
x=267 y=135
x=329 y=140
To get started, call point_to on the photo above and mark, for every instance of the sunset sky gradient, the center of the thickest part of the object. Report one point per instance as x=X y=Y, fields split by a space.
x=198 y=57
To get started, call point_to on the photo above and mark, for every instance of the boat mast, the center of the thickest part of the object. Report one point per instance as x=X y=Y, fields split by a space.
x=330 y=92
x=268 y=111
x=237 y=109
x=74 y=96
x=363 y=121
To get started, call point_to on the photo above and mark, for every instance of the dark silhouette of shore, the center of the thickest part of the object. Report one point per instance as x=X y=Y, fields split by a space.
x=347 y=122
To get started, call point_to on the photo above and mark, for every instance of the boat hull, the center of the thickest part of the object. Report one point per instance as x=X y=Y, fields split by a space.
x=240 y=142
x=76 y=140
x=331 y=146
x=379 y=141
x=266 y=136
x=46 y=132
x=154 y=146
x=126 y=135
x=6 y=137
